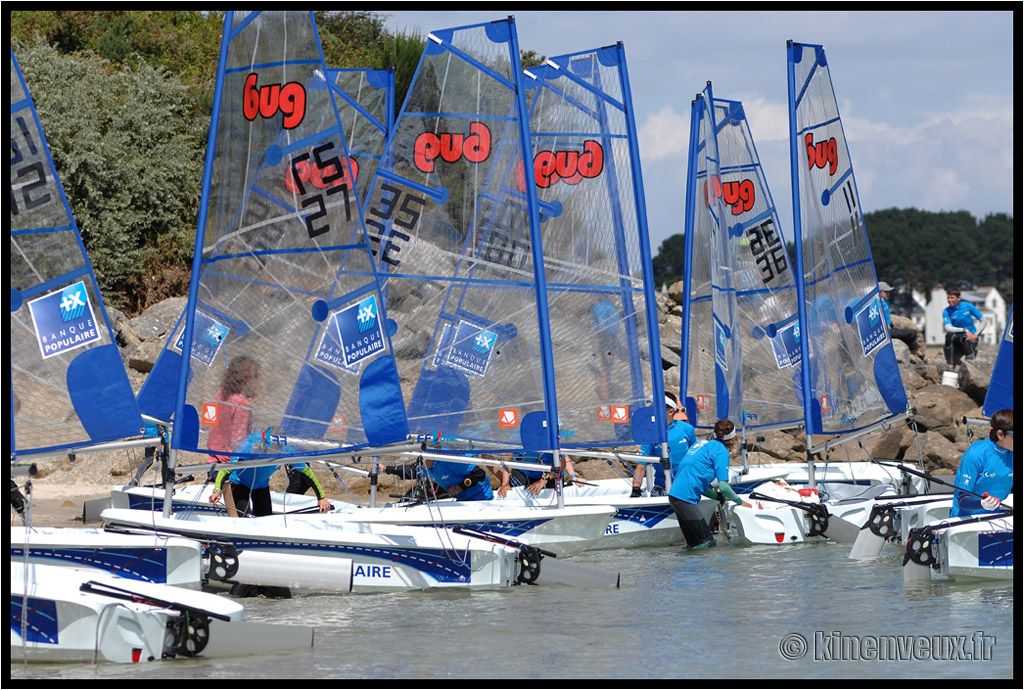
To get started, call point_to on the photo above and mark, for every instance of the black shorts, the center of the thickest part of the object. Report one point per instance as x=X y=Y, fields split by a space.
x=694 y=527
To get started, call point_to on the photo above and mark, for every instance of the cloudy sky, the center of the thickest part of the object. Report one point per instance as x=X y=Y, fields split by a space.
x=926 y=97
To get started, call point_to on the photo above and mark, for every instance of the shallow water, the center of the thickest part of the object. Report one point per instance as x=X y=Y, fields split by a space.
x=730 y=609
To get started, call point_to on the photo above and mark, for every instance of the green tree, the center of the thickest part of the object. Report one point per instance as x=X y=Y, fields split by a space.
x=668 y=263
x=127 y=153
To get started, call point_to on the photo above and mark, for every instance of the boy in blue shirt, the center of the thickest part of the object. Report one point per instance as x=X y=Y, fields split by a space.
x=961 y=335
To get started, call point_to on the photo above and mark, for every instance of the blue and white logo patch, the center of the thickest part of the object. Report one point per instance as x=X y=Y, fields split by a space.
x=471 y=350
x=207 y=336
x=64 y=320
x=720 y=353
x=871 y=328
x=359 y=332
x=786 y=344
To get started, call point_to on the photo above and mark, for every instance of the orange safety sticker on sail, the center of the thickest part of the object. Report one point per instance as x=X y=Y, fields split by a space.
x=824 y=404
x=703 y=402
x=508 y=418
x=616 y=414
x=210 y=415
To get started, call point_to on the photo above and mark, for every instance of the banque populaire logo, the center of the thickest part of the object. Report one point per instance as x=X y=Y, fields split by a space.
x=64 y=320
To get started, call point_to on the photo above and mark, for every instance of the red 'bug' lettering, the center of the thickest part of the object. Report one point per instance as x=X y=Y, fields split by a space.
x=822 y=153
x=570 y=167
x=475 y=147
x=740 y=196
x=267 y=101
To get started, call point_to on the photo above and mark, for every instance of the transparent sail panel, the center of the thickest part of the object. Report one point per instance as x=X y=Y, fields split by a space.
x=591 y=233
x=763 y=300
x=854 y=378
x=365 y=100
x=365 y=103
x=68 y=383
x=699 y=343
x=286 y=327
x=450 y=225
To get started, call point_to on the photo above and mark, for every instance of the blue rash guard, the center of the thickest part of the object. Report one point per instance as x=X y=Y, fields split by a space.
x=539 y=458
x=681 y=436
x=984 y=468
x=962 y=316
x=447 y=474
x=702 y=464
x=253 y=477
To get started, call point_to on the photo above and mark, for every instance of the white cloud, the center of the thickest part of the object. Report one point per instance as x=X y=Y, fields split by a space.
x=664 y=133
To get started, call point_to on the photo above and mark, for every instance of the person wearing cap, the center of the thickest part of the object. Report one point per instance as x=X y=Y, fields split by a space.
x=704 y=471
x=681 y=436
x=986 y=470
x=961 y=335
x=907 y=335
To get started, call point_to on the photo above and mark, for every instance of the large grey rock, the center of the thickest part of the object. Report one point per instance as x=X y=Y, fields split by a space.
x=939 y=451
x=675 y=291
x=156 y=322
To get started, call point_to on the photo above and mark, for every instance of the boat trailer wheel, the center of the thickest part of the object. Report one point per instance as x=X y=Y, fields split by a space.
x=882 y=522
x=223 y=560
x=818 y=517
x=191 y=631
x=529 y=562
x=919 y=547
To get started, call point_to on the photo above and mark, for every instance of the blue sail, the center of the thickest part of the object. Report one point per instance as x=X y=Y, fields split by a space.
x=751 y=332
x=285 y=322
x=457 y=243
x=68 y=384
x=365 y=99
x=1000 y=387
x=850 y=379
x=600 y=280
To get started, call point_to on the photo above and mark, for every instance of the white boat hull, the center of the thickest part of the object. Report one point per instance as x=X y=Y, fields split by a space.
x=146 y=558
x=64 y=623
x=382 y=558
x=769 y=522
x=977 y=550
x=636 y=522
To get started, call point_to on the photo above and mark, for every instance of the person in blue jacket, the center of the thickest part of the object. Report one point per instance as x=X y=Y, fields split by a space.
x=681 y=436
x=703 y=471
x=986 y=469
x=961 y=335
x=250 y=486
x=463 y=481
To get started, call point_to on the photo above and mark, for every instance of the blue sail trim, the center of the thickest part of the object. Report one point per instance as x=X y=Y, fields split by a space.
x=469 y=59
x=41 y=231
x=102 y=395
x=269 y=65
x=54 y=283
x=817 y=125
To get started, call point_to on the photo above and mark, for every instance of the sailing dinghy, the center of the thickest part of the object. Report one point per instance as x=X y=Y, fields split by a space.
x=849 y=383
x=69 y=387
x=283 y=275
x=365 y=101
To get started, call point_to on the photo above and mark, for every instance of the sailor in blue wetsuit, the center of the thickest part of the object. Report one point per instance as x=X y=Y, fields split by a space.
x=704 y=464
x=463 y=481
x=250 y=487
x=986 y=469
x=681 y=436
x=958 y=322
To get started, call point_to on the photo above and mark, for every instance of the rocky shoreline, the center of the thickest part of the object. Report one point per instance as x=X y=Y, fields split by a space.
x=61 y=485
